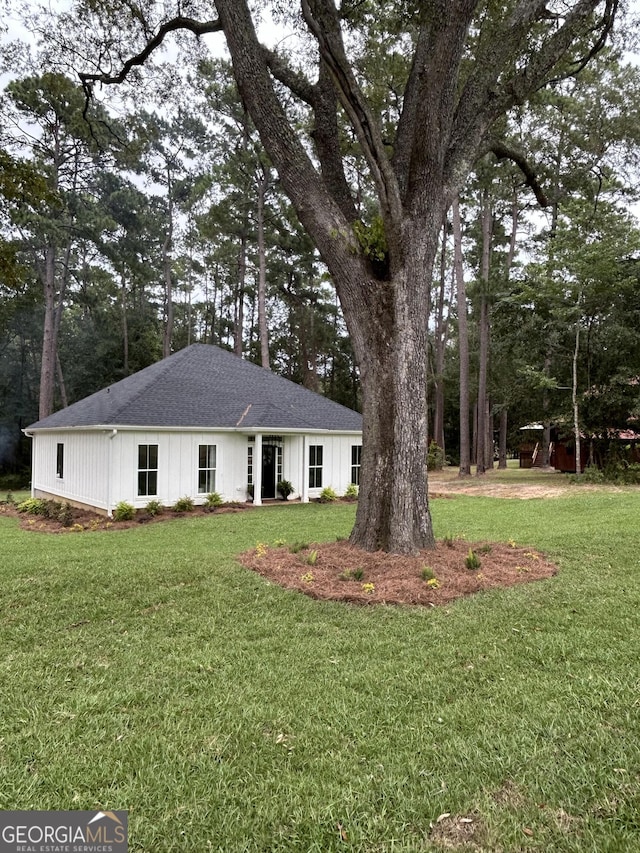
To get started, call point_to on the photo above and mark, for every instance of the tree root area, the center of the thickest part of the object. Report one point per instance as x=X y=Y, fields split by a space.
x=340 y=572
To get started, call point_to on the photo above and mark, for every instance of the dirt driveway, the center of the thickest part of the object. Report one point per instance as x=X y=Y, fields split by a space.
x=503 y=484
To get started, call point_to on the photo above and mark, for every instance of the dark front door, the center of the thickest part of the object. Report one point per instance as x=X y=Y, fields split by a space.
x=269 y=452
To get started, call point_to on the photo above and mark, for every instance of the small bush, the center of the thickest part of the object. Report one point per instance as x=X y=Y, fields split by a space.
x=352 y=575
x=285 y=488
x=327 y=495
x=153 y=508
x=184 y=504
x=435 y=457
x=298 y=546
x=10 y=499
x=33 y=506
x=472 y=561
x=124 y=511
x=351 y=493
x=427 y=574
x=51 y=510
x=312 y=558
x=65 y=515
x=213 y=500
x=448 y=540
x=591 y=475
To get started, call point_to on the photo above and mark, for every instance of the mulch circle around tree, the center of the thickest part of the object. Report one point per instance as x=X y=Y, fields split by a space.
x=340 y=572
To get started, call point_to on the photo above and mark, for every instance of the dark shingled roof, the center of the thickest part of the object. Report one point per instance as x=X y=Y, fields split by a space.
x=205 y=386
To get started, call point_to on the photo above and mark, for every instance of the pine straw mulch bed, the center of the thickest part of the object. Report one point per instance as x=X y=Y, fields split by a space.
x=79 y=520
x=340 y=572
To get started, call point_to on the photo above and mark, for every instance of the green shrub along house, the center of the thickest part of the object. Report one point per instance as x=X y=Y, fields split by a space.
x=201 y=421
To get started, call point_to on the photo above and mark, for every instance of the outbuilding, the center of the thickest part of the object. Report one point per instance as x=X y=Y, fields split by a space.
x=197 y=422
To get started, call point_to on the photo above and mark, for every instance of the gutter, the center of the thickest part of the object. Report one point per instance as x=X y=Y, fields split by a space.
x=112 y=435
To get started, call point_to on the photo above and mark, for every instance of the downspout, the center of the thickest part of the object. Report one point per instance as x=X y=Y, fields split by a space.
x=305 y=472
x=31 y=436
x=112 y=435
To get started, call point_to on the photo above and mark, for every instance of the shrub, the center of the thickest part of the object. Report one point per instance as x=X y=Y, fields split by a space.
x=153 y=508
x=184 y=504
x=285 y=488
x=65 y=515
x=124 y=511
x=312 y=558
x=51 y=509
x=213 y=500
x=10 y=499
x=298 y=546
x=351 y=493
x=435 y=457
x=472 y=561
x=427 y=573
x=592 y=475
x=34 y=506
x=327 y=495
x=15 y=482
x=352 y=575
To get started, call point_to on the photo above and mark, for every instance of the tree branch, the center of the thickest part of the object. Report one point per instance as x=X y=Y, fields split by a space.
x=296 y=82
x=503 y=152
x=329 y=37
x=199 y=28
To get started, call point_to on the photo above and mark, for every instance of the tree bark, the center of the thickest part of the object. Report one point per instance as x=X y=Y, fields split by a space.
x=393 y=512
x=463 y=342
x=440 y=335
x=574 y=396
x=166 y=266
x=483 y=329
x=48 y=363
x=262 y=183
x=502 y=448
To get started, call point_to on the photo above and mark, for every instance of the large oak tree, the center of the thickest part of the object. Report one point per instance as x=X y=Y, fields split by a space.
x=454 y=70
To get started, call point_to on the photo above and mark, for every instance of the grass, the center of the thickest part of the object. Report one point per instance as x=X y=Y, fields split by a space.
x=145 y=670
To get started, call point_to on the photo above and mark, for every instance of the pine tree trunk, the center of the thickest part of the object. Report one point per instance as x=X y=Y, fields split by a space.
x=574 y=395
x=262 y=182
x=481 y=445
x=440 y=334
x=463 y=342
x=502 y=448
x=48 y=365
x=168 y=280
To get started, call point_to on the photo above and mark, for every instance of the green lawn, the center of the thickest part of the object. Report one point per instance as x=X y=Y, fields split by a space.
x=145 y=670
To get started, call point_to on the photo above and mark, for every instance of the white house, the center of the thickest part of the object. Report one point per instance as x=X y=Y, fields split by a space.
x=200 y=421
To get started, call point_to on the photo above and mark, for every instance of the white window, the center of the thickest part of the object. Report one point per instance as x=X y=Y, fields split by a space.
x=250 y=465
x=60 y=461
x=315 y=466
x=206 y=469
x=356 y=457
x=147 y=469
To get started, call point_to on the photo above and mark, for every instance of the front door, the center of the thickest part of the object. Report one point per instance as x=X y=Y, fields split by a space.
x=269 y=460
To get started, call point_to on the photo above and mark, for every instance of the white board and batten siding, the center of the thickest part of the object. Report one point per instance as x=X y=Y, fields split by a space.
x=85 y=468
x=100 y=467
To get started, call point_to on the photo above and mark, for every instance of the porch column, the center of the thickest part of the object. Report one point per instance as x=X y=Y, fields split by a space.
x=304 y=474
x=257 y=471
